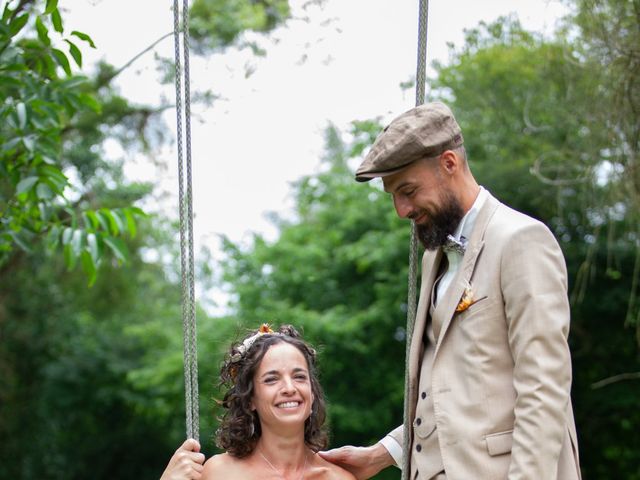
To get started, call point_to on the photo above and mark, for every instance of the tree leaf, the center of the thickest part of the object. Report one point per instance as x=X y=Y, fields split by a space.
x=16 y=25
x=56 y=19
x=114 y=226
x=92 y=246
x=62 y=60
x=77 y=241
x=21 y=109
x=89 y=267
x=131 y=222
x=43 y=32
x=20 y=241
x=51 y=6
x=93 y=219
x=6 y=14
x=26 y=184
x=66 y=235
x=75 y=53
x=69 y=258
x=85 y=37
x=44 y=192
x=91 y=102
x=104 y=220
x=117 y=246
x=53 y=237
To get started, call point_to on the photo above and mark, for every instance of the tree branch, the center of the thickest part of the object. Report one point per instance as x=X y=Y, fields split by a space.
x=108 y=79
x=616 y=378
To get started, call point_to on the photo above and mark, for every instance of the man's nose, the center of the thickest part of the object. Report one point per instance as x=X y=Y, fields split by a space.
x=404 y=209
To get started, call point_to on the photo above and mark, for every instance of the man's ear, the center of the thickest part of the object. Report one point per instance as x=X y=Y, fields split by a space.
x=449 y=162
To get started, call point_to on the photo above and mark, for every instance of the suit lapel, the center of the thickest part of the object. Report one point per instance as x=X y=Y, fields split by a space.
x=463 y=277
x=429 y=271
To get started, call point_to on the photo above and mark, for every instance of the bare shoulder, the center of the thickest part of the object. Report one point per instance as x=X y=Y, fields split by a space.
x=323 y=470
x=219 y=465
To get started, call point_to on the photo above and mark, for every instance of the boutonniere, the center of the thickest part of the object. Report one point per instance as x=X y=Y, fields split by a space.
x=467 y=299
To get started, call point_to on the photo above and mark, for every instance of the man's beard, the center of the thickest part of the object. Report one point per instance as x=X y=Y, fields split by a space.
x=440 y=223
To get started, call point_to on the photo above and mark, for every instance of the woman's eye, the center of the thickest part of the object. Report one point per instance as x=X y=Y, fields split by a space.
x=270 y=380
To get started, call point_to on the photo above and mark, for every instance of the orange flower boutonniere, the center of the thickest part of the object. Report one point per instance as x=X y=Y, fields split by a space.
x=467 y=300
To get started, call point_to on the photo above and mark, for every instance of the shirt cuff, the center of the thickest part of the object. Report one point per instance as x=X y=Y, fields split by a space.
x=394 y=449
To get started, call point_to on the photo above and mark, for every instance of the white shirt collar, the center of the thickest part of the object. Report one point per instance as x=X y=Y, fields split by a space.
x=465 y=227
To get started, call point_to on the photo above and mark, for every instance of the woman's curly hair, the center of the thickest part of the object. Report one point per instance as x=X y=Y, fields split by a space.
x=239 y=428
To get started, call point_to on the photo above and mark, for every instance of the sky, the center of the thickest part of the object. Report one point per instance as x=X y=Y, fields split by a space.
x=345 y=61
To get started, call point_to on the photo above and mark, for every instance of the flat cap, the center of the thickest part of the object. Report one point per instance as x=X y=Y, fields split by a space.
x=422 y=132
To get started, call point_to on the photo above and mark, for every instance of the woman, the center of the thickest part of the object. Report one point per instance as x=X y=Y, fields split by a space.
x=275 y=413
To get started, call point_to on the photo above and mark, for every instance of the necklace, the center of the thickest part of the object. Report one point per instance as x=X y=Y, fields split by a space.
x=304 y=467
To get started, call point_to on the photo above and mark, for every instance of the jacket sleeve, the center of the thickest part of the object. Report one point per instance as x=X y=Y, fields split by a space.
x=534 y=286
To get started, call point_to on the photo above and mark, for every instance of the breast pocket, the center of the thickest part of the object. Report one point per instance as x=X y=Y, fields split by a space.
x=481 y=320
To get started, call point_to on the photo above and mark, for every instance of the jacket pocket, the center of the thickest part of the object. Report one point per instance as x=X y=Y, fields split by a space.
x=499 y=443
x=424 y=428
x=425 y=423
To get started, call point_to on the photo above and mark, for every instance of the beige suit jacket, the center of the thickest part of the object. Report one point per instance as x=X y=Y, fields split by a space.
x=501 y=373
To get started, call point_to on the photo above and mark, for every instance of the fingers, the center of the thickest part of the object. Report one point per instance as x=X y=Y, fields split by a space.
x=186 y=463
x=190 y=444
x=337 y=455
x=189 y=452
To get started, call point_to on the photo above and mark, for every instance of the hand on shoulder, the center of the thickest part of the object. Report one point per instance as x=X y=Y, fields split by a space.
x=324 y=470
x=362 y=462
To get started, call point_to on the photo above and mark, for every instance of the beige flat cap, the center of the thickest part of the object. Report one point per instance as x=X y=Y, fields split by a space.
x=422 y=132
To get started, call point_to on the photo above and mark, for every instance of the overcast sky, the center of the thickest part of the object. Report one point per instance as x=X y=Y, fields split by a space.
x=346 y=62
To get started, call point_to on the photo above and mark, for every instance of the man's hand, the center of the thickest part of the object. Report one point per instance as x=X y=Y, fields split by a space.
x=186 y=463
x=363 y=462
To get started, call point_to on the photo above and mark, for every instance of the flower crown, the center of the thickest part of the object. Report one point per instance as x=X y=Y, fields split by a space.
x=243 y=348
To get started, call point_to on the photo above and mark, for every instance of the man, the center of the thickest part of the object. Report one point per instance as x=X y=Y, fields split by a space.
x=489 y=365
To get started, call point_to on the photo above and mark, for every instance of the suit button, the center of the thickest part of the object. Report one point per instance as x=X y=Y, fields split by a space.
x=418 y=421
x=423 y=395
x=418 y=448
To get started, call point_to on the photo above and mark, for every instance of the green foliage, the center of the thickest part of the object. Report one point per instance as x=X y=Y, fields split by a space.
x=216 y=24
x=43 y=100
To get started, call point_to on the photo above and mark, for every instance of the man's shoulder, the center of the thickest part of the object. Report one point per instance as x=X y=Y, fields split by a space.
x=508 y=221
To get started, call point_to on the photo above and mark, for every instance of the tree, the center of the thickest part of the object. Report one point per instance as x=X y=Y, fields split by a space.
x=90 y=379
x=43 y=100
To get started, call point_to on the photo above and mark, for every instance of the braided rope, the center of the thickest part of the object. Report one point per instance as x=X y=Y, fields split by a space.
x=413 y=246
x=185 y=207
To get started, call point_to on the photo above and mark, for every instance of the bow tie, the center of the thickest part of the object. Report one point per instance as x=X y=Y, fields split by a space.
x=454 y=245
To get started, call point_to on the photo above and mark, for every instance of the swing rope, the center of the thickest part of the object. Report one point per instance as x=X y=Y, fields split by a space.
x=186 y=227
x=413 y=246
x=185 y=207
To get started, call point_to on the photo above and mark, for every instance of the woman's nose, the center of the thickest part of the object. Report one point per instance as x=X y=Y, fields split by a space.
x=288 y=385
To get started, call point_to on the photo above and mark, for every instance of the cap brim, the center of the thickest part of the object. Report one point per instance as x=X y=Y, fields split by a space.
x=366 y=176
